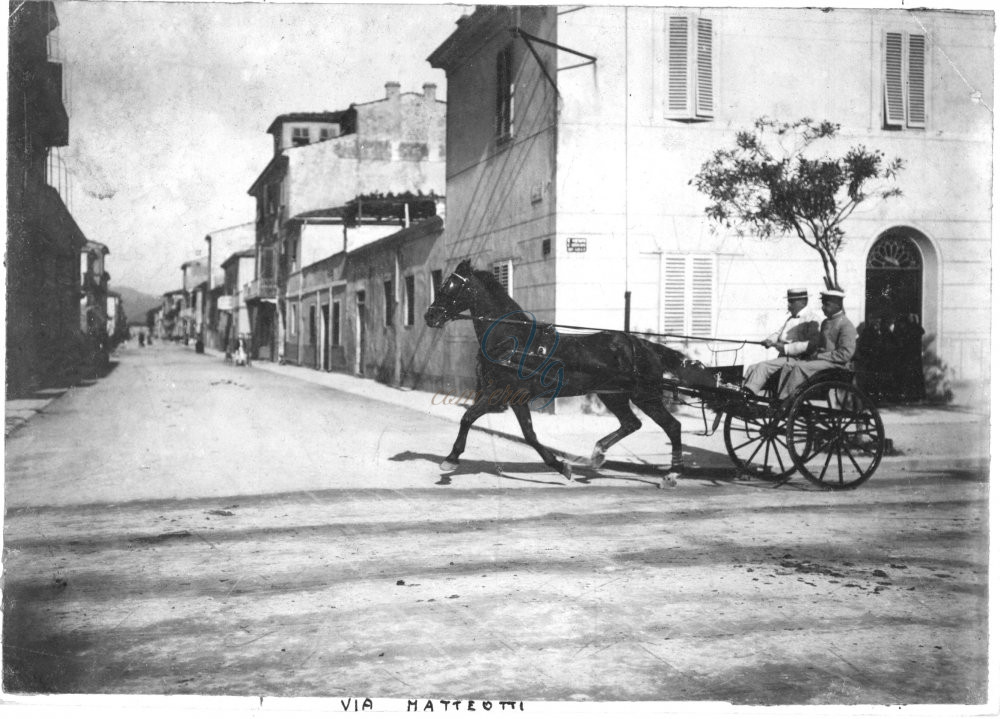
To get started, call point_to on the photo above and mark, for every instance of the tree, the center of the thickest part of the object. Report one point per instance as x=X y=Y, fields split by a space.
x=776 y=182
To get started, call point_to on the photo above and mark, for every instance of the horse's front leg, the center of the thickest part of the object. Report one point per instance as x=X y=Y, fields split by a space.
x=523 y=415
x=474 y=412
x=651 y=402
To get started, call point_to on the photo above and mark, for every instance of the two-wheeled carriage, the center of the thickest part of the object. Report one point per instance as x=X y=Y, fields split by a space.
x=829 y=431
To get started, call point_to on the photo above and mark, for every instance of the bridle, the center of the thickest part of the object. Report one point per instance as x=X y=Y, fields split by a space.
x=449 y=313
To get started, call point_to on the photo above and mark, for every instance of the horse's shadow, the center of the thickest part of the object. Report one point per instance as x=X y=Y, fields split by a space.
x=631 y=472
x=582 y=474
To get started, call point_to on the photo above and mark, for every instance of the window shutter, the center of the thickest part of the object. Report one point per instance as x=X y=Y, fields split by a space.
x=916 y=111
x=894 y=108
x=677 y=65
x=702 y=295
x=674 y=273
x=501 y=271
x=689 y=294
x=704 y=89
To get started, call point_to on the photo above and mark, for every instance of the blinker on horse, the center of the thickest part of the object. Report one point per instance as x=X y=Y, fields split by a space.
x=537 y=362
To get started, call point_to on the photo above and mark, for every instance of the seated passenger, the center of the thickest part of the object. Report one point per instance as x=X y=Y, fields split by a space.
x=792 y=340
x=833 y=349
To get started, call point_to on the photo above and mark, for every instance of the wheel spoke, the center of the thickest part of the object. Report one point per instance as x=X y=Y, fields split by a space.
x=850 y=456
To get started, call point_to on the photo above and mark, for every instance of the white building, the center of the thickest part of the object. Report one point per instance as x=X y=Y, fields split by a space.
x=573 y=134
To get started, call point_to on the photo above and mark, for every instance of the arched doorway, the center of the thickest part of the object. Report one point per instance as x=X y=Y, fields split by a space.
x=894 y=278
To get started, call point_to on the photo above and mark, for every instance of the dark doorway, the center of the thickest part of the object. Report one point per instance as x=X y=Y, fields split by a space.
x=325 y=338
x=893 y=280
x=359 y=361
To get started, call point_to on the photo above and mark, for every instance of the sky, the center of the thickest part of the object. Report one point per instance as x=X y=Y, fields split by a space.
x=169 y=104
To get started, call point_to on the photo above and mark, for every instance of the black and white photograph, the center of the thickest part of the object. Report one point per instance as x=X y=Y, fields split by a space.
x=509 y=359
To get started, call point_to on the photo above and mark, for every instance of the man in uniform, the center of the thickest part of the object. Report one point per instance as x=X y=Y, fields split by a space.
x=791 y=340
x=832 y=349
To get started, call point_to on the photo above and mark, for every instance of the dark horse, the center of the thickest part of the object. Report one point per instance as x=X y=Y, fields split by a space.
x=523 y=364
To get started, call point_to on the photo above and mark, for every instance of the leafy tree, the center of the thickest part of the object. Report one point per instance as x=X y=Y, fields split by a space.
x=775 y=182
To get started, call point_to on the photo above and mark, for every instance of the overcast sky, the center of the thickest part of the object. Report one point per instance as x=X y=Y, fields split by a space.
x=169 y=103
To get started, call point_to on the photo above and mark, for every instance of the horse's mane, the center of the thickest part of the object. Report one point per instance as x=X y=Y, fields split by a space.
x=497 y=291
x=491 y=283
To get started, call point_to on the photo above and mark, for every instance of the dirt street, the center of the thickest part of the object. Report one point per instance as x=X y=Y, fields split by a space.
x=188 y=527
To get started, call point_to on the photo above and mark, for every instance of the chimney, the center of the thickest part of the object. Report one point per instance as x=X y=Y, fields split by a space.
x=430 y=91
x=391 y=90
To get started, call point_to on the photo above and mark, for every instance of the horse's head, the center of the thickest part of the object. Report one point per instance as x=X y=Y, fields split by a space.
x=455 y=295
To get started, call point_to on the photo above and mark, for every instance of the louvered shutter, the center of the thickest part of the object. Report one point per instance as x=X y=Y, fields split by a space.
x=677 y=66
x=895 y=111
x=705 y=99
x=501 y=271
x=916 y=109
x=702 y=295
x=674 y=293
x=689 y=294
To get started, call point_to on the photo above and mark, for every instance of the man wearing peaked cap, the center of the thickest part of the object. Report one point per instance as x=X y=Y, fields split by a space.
x=832 y=349
x=791 y=340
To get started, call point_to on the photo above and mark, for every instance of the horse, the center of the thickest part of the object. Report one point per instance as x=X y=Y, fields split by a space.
x=522 y=363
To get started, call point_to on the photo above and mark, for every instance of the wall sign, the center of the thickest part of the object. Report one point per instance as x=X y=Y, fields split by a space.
x=576 y=244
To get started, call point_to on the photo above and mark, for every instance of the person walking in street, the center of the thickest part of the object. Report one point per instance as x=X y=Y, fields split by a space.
x=791 y=341
x=832 y=349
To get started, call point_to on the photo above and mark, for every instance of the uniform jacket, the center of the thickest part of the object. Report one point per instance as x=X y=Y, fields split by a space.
x=837 y=340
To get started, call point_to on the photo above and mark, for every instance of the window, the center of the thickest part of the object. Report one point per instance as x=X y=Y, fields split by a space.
x=324 y=133
x=904 y=80
x=389 y=302
x=409 y=299
x=293 y=320
x=689 y=294
x=267 y=263
x=504 y=274
x=435 y=283
x=335 y=329
x=505 y=94
x=300 y=136
x=690 y=68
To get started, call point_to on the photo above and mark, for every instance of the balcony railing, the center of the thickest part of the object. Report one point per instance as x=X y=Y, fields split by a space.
x=260 y=289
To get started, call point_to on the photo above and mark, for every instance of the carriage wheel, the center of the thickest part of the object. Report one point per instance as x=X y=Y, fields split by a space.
x=835 y=435
x=758 y=445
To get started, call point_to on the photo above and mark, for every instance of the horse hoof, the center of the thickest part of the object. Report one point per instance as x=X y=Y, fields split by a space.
x=567 y=470
x=448 y=466
x=597 y=460
x=669 y=481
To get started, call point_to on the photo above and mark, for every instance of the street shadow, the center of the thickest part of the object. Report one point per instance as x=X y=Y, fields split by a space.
x=613 y=470
x=478 y=466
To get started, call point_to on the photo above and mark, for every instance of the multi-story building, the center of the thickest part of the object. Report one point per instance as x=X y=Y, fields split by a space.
x=574 y=132
x=335 y=182
x=94 y=298
x=234 y=320
x=216 y=320
x=43 y=240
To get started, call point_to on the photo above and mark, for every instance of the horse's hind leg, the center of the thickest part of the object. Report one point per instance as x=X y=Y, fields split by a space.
x=651 y=403
x=474 y=412
x=523 y=414
x=629 y=423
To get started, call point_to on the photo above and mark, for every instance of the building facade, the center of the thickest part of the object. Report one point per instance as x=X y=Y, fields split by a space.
x=361 y=312
x=43 y=240
x=336 y=180
x=574 y=134
x=94 y=316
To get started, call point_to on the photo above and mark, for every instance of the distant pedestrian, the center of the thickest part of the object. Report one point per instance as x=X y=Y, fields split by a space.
x=142 y=338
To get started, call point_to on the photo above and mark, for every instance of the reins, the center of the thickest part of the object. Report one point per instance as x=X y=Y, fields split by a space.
x=599 y=329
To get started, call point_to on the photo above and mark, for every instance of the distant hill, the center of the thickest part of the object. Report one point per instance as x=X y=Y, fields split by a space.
x=137 y=303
